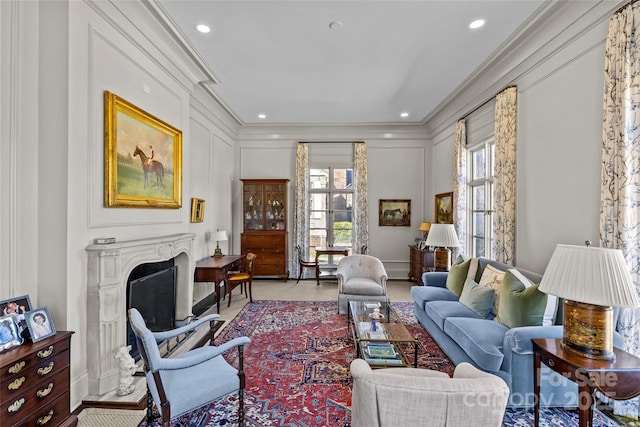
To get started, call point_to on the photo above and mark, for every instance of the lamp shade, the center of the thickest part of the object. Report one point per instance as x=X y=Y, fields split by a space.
x=219 y=236
x=590 y=275
x=443 y=236
x=425 y=226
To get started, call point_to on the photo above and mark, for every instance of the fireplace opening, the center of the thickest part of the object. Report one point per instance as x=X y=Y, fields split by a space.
x=151 y=289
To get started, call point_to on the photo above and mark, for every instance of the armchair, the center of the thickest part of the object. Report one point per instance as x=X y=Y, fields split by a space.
x=412 y=397
x=360 y=277
x=191 y=380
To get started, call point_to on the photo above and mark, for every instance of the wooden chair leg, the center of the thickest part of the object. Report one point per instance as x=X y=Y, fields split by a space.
x=250 y=293
x=300 y=267
x=230 y=293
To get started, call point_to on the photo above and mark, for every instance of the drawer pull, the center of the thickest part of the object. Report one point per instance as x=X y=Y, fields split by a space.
x=17 y=383
x=43 y=420
x=45 y=353
x=46 y=369
x=551 y=363
x=17 y=367
x=15 y=406
x=45 y=391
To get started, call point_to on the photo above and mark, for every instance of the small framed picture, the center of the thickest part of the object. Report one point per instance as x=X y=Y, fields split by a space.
x=40 y=324
x=197 y=210
x=9 y=334
x=16 y=308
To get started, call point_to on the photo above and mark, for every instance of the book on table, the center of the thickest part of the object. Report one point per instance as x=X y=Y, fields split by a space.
x=381 y=353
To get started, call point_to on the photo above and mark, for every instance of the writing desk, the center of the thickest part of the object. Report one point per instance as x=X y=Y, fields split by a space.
x=328 y=250
x=215 y=269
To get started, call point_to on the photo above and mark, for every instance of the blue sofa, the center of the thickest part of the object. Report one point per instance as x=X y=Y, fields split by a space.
x=506 y=352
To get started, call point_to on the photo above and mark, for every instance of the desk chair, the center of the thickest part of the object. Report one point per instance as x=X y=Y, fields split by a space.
x=303 y=263
x=241 y=278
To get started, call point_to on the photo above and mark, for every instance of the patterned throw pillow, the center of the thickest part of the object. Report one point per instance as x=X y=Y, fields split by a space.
x=492 y=278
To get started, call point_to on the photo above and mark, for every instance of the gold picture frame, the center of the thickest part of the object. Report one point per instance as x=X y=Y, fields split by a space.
x=142 y=158
x=197 y=210
x=394 y=212
x=443 y=208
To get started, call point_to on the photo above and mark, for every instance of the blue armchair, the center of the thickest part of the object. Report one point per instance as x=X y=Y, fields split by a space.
x=191 y=380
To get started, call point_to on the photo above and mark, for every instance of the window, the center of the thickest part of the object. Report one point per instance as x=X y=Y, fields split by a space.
x=331 y=208
x=480 y=193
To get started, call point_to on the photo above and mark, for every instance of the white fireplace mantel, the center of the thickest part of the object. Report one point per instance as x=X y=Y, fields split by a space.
x=109 y=267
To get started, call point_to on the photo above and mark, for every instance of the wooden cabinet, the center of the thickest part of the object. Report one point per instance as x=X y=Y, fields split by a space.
x=420 y=261
x=34 y=381
x=264 y=213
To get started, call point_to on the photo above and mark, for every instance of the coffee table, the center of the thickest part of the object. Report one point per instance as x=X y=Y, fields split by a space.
x=382 y=348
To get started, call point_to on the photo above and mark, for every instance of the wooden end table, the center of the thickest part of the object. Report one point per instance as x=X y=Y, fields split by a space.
x=618 y=379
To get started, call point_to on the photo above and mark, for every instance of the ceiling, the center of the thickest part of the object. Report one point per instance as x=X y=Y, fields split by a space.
x=282 y=59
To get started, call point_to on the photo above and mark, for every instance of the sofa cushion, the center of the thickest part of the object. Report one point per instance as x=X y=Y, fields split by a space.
x=492 y=278
x=362 y=286
x=520 y=305
x=550 y=310
x=439 y=311
x=424 y=294
x=477 y=298
x=458 y=273
x=481 y=339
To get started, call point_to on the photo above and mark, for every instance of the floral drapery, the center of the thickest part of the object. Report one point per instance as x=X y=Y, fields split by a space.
x=460 y=183
x=504 y=182
x=360 y=219
x=301 y=203
x=620 y=194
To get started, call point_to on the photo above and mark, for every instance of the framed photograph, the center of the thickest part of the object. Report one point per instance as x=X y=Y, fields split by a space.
x=9 y=334
x=40 y=324
x=197 y=210
x=394 y=213
x=142 y=158
x=16 y=308
x=444 y=208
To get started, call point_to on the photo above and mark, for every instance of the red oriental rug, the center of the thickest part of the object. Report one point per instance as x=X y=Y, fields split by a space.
x=297 y=365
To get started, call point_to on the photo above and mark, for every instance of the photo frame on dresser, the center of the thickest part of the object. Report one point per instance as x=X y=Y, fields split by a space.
x=40 y=324
x=16 y=307
x=9 y=333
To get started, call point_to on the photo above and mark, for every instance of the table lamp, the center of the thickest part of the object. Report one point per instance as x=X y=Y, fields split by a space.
x=442 y=237
x=591 y=281
x=219 y=236
x=424 y=227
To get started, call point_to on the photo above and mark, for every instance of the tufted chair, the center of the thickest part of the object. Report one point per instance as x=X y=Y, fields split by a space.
x=191 y=380
x=362 y=278
x=422 y=397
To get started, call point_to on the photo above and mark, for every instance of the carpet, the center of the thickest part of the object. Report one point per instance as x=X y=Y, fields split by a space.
x=297 y=369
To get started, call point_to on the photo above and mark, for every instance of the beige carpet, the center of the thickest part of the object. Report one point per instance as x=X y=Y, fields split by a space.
x=95 y=417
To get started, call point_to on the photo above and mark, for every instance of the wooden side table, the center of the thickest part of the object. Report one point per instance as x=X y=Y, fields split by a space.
x=618 y=379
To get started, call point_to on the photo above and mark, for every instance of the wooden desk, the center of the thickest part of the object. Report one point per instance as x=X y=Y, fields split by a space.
x=212 y=269
x=328 y=250
x=618 y=379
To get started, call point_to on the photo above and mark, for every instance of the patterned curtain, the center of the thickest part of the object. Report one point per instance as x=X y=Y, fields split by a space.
x=361 y=204
x=620 y=194
x=460 y=185
x=504 y=182
x=301 y=205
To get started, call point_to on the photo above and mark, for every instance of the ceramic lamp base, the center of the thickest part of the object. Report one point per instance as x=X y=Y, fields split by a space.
x=588 y=330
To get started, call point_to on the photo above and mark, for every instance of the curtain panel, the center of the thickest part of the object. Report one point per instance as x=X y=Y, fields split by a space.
x=301 y=205
x=620 y=194
x=504 y=182
x=460 y=185
x=360 y=222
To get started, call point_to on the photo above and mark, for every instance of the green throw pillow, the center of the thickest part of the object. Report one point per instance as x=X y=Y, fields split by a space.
x=477 y=298
x=456 y=277
x=520 y=305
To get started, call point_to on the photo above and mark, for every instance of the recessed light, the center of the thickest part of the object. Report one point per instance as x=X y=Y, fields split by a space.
x=203 y=28
x=335 y=25
x=262 y=116
x=404 y=114
x=476 y=24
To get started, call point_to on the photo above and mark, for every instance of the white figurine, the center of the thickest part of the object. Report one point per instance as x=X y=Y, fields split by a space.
x=127 y=367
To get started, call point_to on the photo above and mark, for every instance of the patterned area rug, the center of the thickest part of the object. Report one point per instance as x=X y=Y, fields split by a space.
x=297 y=369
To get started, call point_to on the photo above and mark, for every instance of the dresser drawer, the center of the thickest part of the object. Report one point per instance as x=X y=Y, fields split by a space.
x=272 y=240
x=269 y=270
x=50 y=414
x=39 y=373
x=19 y=367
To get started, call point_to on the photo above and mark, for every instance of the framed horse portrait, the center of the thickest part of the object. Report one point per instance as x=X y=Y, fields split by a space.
x=444 y=208
x=394 y=213
x=143 y=158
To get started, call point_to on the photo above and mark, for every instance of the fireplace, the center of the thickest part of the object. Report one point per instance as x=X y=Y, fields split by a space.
x=110 y=268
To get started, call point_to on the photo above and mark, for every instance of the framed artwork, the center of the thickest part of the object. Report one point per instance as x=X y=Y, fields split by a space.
x=197 y=210
x=9 y=334
x=40 y=324
x=444 y=208
x=142 y=158
x=394 y=213
x=16 y=308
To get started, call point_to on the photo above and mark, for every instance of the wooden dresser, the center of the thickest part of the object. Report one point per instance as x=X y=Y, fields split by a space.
x=420 y=261
x=34 y=383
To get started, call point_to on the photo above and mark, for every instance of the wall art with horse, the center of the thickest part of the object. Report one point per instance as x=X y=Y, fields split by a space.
x=394 y=212
x=143 y=157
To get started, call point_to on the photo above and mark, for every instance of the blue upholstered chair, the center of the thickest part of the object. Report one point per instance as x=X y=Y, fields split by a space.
x=191 y=380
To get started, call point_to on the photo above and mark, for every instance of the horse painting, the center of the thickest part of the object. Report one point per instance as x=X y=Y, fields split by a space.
x=153 y=166
x=390 y=214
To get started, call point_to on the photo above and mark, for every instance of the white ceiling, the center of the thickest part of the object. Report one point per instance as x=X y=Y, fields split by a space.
x=281 y=58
